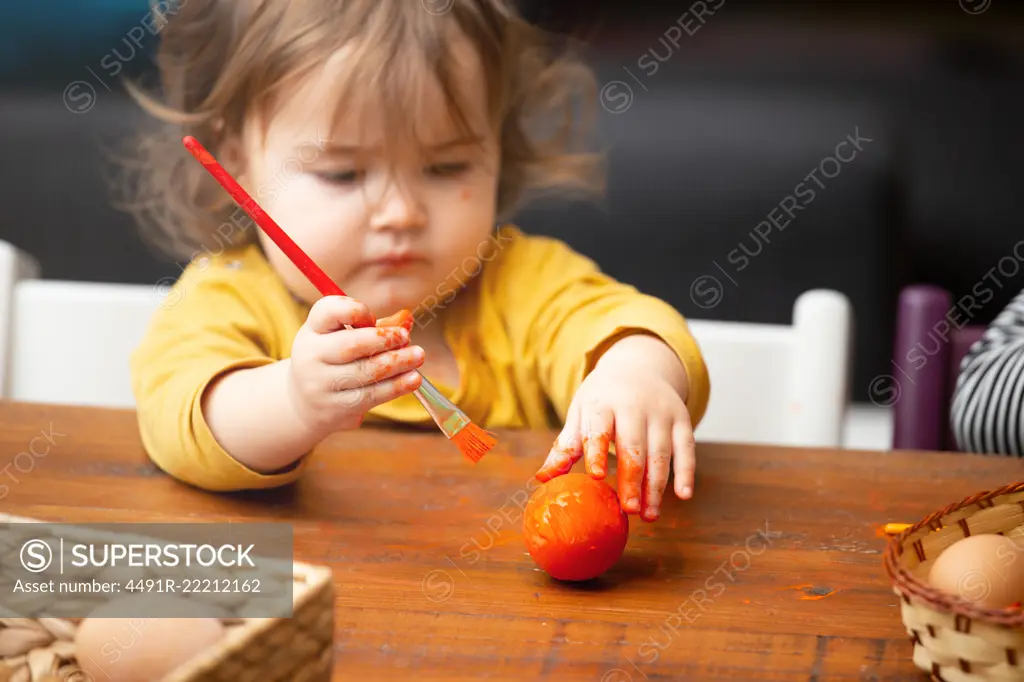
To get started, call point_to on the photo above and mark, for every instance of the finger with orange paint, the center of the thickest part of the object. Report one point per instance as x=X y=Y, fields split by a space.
x=598 y=425
x=658 y=465
x=647 y=511
x=567 y=449
x=631 y=452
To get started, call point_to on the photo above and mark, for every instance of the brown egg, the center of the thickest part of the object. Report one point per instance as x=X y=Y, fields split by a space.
x=987 y=570
x=123 y=649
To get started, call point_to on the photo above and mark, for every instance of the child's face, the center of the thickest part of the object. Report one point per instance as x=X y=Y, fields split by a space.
x=392 y=233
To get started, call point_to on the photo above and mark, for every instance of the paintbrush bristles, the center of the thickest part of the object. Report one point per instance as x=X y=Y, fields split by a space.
x=474 y=442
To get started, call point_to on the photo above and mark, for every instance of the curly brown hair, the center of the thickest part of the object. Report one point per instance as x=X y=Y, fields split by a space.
x=224 y=62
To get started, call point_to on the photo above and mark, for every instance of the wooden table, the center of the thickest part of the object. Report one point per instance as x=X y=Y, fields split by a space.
x=773 y=571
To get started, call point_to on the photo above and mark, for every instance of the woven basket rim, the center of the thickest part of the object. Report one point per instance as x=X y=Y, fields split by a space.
x=319 y=578
x=907 y=583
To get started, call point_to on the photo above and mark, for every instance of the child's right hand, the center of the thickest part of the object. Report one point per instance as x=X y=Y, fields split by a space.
x=337 y=375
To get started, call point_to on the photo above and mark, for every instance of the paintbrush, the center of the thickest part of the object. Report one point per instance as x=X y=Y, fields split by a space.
x=473 y=441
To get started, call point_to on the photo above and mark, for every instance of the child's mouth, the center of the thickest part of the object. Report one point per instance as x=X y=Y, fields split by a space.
x=393 y=262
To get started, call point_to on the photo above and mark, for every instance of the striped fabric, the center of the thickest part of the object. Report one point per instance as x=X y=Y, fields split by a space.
x=987 y=412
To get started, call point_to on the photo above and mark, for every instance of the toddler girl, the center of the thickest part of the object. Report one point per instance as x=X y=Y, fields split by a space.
x=388 y=137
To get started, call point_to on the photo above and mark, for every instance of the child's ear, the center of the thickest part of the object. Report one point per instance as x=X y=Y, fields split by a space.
x=231 y=154
x=233 y=158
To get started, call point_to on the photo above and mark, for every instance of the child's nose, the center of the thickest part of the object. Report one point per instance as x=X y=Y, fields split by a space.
x=398 y=209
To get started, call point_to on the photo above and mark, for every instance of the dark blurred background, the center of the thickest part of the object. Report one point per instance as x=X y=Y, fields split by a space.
x=715 y=115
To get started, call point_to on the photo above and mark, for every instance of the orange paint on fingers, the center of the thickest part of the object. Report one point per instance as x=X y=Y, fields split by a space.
x=553 y=470
x=394 y=337
x=383 y=371
x=595 y=450
x=631 y=472
x=559 y=466
x=603 y=442
x=393 y=364
x=595 y=462
x=649 y=511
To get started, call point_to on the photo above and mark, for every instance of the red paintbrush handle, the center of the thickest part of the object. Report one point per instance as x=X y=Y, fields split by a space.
x=303 y=262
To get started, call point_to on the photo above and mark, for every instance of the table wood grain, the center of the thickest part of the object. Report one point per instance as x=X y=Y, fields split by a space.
x=773 y=571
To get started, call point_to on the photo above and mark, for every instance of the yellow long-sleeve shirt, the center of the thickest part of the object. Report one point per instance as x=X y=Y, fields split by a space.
x=525 y=335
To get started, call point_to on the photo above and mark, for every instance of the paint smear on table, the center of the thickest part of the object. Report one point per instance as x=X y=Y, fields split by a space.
x=812 y=592
x=815 y=597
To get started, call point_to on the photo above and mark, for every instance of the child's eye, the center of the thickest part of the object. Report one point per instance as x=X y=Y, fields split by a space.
x=340 y=177
x=447 y=170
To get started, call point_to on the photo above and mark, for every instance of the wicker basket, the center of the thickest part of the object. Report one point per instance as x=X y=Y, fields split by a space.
x=954 y=640
x=296 y=649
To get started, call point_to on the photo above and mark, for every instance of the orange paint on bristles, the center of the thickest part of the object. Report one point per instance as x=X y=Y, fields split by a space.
x=474 y=442
x=403 y=318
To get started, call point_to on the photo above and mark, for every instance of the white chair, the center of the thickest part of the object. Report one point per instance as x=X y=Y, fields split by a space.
x=68 y=342
x=778 y=384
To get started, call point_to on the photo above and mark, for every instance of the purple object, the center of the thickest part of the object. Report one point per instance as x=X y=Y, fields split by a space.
x=931 y=340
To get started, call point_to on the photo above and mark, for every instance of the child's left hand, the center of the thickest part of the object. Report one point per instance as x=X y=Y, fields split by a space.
x=651 y=428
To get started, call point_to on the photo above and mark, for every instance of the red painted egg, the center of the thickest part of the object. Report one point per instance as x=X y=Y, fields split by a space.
x=574 y=527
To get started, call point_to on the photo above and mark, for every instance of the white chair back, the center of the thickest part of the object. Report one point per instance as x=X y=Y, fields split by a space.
x=15 y=266
x=778 y=384
x=68 y=342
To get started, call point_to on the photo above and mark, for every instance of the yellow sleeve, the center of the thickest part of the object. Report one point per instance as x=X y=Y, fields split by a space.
x=567 y=313
x=205 y=327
